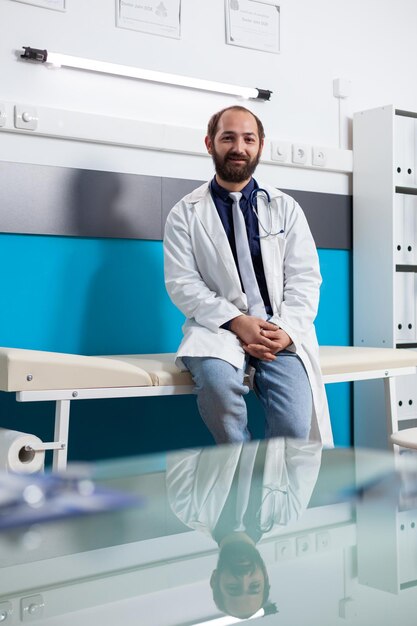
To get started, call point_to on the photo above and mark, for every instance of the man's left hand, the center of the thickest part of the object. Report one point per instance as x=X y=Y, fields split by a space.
x=280 y=339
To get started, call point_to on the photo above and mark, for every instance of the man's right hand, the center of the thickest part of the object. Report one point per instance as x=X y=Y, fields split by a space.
x=248 y=329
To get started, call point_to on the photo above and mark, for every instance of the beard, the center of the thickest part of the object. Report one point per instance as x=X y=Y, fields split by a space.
x=230 y=171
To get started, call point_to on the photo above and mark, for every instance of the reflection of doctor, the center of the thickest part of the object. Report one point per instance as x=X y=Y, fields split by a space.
x=236 y=494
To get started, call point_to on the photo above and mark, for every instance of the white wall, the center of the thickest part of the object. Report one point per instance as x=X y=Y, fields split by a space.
x=370 y=42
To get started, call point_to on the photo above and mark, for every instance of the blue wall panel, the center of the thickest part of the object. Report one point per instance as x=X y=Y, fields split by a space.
x=334 y=327
x=107 y=296
x=90 y=296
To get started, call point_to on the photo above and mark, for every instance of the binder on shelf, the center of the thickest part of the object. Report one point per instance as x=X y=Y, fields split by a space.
x=405 y=224
x=410 y=229
x=399 y=224
x=404 y=150
x=406 y=387
x=405 y=300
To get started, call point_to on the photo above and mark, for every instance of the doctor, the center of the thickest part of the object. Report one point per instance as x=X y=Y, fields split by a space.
x=241 y=315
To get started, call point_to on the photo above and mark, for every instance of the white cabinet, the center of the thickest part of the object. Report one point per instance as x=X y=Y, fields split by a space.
x=384 y=256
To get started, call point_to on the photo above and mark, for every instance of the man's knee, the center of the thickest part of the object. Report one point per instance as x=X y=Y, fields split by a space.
x=214 y=374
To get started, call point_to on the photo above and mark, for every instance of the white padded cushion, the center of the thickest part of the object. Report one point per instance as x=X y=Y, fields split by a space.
x=406 y=438
x=342 y=359
x=54 y=370
x=333 y=360
x=160 y=367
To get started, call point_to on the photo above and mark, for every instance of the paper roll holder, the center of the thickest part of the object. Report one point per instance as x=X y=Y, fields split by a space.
x=47 y=445
x=27 y=453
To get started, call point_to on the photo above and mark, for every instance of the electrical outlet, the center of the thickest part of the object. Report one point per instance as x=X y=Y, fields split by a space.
x=299 y=153
x=323 y=541
x=280 y=150
x=284 y=550
x=319 y=156
x=304 y=545
x=6 y=612
x=3 y=114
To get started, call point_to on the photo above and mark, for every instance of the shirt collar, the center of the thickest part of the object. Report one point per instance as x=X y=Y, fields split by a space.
x=224 y=193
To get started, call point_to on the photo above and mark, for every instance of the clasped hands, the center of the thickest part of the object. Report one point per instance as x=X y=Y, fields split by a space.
x=259 y=338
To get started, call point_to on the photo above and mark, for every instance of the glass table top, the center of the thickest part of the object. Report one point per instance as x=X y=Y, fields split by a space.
x=278 y=531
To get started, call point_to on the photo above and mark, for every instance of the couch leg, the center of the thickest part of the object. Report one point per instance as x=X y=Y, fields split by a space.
x=391 y=409
x=62 y=414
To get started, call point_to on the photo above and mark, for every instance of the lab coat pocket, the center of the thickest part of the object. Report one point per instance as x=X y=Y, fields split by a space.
x=281 y=245
x=278 y=265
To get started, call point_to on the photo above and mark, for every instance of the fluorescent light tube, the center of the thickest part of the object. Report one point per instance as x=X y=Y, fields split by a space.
x=55 y=59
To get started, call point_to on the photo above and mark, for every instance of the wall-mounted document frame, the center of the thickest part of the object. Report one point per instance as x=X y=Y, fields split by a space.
x=155 y=17
x=253 y=24
x=54 y=5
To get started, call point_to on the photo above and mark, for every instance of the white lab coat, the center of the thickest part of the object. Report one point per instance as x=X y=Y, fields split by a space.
x=203 y=282
x=199 y=482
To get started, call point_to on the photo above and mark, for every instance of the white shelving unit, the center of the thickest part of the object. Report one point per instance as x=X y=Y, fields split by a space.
x=384 y=257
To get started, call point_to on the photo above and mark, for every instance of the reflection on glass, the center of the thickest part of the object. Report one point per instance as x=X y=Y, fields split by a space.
x=332 y=532
x=236 y=494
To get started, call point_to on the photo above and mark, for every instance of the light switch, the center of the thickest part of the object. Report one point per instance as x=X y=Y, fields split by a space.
x=280 y=150
x=25 y=117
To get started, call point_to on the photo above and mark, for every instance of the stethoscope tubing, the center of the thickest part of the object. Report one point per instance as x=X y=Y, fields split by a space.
x=252 y=201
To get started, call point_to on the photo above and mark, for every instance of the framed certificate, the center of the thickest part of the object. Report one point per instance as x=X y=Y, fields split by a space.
x=253 y=24
x=156 y=17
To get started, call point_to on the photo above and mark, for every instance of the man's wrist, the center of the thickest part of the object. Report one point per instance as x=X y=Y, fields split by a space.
x=233 y=322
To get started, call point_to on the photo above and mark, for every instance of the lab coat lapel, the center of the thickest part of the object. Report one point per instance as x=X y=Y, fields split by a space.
x=209 y=217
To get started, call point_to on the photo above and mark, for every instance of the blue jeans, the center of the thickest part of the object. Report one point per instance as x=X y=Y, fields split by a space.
x=282 y=387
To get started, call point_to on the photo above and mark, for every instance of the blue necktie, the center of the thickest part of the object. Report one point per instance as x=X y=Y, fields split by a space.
x=247 y=273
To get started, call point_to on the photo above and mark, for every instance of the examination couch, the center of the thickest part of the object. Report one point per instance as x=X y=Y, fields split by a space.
x=36 y=375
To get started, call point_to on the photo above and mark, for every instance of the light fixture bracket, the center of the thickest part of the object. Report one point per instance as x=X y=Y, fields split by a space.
x=264 y=94
x=34 y=54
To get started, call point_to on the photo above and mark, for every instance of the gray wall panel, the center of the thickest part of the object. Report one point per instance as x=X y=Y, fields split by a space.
x=38 y=199
x=329 y=216
x=173 y=189
x=109 y=204
x=31 y=198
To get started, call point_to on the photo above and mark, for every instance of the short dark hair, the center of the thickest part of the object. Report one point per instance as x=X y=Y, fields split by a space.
x=214 y=121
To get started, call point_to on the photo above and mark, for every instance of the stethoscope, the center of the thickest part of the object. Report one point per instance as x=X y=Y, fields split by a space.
x=270 y=494
x=252 y=201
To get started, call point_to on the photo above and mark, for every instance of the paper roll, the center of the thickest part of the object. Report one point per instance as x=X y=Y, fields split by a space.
x=13 y=455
